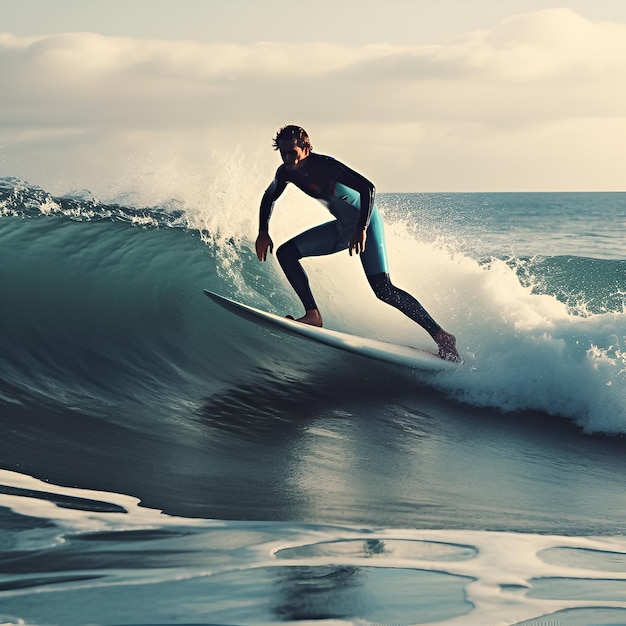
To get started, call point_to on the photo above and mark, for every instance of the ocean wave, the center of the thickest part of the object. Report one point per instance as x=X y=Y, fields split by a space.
x=586 y=285
x=102 y=304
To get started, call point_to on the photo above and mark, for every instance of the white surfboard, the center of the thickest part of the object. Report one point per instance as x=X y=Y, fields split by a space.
x=371 y=348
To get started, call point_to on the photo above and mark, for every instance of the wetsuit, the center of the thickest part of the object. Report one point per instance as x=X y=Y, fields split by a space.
x=350 y=198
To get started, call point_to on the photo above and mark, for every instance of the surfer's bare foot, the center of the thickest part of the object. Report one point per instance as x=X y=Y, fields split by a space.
x=447 y=346
x=311 y=317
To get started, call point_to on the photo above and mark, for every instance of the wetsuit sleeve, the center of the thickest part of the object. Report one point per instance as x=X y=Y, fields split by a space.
x=362 y=186
x=272 y=193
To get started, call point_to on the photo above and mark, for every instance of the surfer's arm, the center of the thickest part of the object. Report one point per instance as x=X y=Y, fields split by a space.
x=363 y=187
x=264 y=242
x=272 y=193
x=367 y=192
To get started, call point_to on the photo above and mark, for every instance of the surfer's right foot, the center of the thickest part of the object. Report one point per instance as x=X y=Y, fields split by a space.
x=447 y=346
x=312 y=317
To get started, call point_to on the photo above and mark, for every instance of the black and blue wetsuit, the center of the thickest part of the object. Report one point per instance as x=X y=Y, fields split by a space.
x=349 y=196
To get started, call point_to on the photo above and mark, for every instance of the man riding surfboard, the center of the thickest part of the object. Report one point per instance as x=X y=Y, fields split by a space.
x=349 y=197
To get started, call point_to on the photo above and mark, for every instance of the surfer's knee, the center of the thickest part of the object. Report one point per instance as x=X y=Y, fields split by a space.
x=288 y=253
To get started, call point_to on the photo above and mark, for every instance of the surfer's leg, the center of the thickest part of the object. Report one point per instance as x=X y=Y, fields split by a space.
x=316 y=241
x=386 y=291
x=374 y=261
x=289 y=257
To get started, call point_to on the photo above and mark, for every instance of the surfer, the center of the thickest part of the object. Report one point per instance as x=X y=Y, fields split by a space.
x=349 y=196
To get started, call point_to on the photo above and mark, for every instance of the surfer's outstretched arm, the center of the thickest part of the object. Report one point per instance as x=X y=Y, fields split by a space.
x=264 y=243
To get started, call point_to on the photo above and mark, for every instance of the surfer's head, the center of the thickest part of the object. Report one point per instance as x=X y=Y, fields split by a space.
x=294 y=146
x=293 y=132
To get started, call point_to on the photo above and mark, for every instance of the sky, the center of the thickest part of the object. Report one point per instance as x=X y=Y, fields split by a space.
x=418 y=95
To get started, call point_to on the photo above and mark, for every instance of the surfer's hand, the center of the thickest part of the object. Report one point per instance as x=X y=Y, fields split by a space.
x=357 y=241
x=263 y=244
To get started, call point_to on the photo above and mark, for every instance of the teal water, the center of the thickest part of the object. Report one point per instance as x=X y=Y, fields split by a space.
x=589 y=225
x=162 y=461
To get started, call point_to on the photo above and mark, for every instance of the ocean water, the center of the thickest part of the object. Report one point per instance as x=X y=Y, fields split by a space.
x=165 y=462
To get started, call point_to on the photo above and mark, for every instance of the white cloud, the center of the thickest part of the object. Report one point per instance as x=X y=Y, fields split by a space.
x=530 y=76
x=551 y=44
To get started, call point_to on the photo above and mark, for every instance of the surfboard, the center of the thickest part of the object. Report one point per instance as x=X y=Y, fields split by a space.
x=406 y=356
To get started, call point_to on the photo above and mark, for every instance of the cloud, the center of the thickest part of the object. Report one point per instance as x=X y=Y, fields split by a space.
x=533 y=71
x=555 y=44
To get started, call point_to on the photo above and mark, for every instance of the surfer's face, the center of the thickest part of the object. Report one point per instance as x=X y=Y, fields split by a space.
x=292 y=154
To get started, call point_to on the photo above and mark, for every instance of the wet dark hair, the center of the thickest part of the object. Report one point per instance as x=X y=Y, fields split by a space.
x=292 y=131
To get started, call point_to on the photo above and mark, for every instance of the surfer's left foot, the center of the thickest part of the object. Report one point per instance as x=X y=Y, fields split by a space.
x=447 y=346
x=311 y=317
